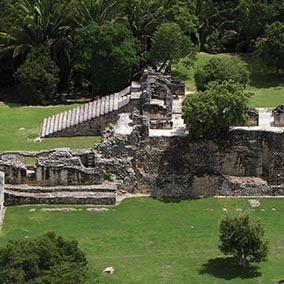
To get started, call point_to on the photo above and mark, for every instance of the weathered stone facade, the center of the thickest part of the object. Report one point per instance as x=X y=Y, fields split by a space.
x=245 y=163
x=2 y=184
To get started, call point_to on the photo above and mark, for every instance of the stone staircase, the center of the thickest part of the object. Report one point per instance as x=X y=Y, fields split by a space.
x=102 y=194
x=85 y=112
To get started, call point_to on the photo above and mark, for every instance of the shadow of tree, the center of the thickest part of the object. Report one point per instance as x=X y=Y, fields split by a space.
x=227 y=268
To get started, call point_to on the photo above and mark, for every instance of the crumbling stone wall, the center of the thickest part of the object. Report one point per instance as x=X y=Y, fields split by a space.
x=244 y=163
x=15 y=171
x=2 y=182
x=63 y=168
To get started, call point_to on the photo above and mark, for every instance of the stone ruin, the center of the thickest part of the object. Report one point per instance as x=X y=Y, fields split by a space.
x=278 y=115
x=247 y=162
x=253 y=117
x=158 y=92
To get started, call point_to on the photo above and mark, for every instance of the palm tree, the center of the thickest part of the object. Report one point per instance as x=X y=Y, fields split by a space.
x=40 y=22
x=98 y=11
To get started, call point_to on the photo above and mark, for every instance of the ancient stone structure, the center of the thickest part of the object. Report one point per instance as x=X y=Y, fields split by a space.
x=58 y=176
x=253 y=117
x=2 y=183
x=278 y=115
x=133 y=158
x=152 y=96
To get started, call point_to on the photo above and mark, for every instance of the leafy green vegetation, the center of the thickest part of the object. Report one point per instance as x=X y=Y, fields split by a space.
x=210 y=113
x=154 y=242
x=46 y=259
x=268 y=88
x=243 y=238
x=20 y=125
x=220 y=70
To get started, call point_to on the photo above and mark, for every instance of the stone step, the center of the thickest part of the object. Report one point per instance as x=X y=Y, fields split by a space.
x=102 y=111
x=107 y=104
x=52 y=122
x=24 y=188
x=43 y=129
x=111 y=101
x=79 y=197
x=116 y=100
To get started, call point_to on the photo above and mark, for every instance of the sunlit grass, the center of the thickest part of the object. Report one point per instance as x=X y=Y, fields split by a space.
x=154 y=242
x=19 y=126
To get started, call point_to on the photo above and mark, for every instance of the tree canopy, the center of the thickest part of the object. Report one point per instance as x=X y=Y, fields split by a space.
x=169 y=45
x=243 y=238
x=37 y=77
x=47 y=259
x=210 y=113
x=222 y=69
x=270 y=48
x=107 y=55
x=165 y=30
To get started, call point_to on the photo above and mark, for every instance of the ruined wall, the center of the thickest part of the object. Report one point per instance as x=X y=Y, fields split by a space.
x=2 y=183
x=244 y=163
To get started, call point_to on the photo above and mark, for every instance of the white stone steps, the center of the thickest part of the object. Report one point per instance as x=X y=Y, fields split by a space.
x=116 y=101
x=102 y=111
x=111 y=98
x=85 y=112
x=48 y=126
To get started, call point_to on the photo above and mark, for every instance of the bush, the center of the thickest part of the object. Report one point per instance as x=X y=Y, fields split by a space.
x=209 y=114
x=38 y=77
x=221 y=69
x=243 y=238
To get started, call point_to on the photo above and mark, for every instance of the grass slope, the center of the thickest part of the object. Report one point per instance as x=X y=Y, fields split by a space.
x=154 y=242
x=20 y=125
x=267 y=87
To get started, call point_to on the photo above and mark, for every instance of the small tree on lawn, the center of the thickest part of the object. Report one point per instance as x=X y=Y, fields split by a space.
x=243 y=238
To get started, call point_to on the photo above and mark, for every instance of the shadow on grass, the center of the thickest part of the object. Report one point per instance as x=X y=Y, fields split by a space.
x=174 y=199
x=261 y=76
x=262 y=80
x=226 y=268
x=177 y=75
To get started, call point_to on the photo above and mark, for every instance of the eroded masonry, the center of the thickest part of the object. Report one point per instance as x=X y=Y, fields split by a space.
x=147 y=151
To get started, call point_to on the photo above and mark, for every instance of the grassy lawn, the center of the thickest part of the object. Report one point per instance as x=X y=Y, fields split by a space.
x=267 y=87
x=20 y=125
x=154 y=242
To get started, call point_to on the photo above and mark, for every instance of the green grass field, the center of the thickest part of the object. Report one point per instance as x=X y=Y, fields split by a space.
x=154 y=242
x=21 y=125
x=267 y=87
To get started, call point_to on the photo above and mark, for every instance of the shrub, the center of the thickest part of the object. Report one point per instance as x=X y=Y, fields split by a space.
x=221 y=69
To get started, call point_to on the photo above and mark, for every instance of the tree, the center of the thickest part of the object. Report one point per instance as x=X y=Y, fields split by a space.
x=222 y=69
x=169 y=45
x=38 y=77
x=270 y=48
x=47 y=259
x=98 y=11
x=106 y=55
x=32 y=23
x=209 y=114
x=243 y=238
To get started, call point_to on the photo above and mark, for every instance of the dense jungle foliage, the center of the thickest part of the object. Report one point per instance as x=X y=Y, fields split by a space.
x=91 y=41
